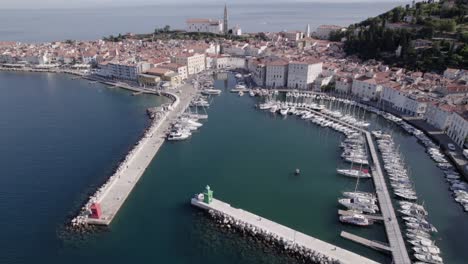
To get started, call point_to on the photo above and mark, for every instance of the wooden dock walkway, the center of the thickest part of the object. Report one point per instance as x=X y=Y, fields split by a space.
x=366 y=242
x=301 y=239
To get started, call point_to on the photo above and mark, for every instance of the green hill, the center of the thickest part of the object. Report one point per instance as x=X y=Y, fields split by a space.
x=426 y=36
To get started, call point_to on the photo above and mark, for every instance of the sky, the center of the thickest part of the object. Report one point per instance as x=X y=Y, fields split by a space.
x=35 y=4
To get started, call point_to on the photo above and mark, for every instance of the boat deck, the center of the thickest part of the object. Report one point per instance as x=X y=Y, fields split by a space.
x=368 y=216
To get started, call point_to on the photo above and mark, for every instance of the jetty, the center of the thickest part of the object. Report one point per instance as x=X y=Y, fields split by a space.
x=369 y=243
x=392 y=228
x=115 y=192
x=394 y=235
x=290 y=238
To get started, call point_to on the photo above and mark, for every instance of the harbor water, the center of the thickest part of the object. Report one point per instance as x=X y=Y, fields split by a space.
x=65 y=136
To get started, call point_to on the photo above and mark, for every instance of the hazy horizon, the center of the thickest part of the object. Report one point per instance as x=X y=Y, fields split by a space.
x=48 y=4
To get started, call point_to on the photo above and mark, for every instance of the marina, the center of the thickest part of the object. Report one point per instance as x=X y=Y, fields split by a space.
x=156 y=204
x=393 y=231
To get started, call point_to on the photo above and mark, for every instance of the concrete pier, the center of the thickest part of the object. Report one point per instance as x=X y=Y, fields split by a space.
x=392 y=228
x=116 y=192
x=286 y=233
x=366 y=242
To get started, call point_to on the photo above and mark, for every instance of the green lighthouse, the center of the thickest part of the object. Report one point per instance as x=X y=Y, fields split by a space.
x=208 y=195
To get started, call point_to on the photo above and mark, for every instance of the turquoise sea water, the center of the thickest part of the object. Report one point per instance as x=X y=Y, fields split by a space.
x=63 y=137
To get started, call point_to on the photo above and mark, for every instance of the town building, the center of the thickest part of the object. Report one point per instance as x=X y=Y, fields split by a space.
x=195 y=62
x=366 y=87
x=343 y=85
x=293 y=35
x=171 y=78
x=123 y=70
x=204 y=25
x=276 y=73
x=458 y=127
x=302 y=74
x=439 y=115
x=177 y=68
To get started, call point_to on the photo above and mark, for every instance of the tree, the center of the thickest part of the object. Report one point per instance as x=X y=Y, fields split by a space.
x=167 y=28
x=448 y=25
x=398 y=13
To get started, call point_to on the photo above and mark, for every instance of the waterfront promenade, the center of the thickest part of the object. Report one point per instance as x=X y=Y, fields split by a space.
x=283 y=232
x=115 y=194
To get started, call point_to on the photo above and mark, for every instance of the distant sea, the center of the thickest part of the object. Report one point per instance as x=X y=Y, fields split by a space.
x=41 y=25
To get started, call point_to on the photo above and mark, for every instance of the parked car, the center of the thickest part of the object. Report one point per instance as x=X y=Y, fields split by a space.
x=451 y=146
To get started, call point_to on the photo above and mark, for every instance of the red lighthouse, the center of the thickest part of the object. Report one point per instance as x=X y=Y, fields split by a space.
x=96 y=211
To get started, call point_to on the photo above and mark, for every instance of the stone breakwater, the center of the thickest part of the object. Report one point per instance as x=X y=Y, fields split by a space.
x=80 y=220
x=301 y=253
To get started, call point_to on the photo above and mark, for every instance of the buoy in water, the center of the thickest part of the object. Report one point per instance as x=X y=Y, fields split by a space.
x=297 y=172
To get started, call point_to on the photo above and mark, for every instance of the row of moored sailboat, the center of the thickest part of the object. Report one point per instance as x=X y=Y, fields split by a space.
x=418 y=230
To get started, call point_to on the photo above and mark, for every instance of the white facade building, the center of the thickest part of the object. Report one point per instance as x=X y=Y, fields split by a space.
x=177 y=68
x=413 y=106
x=366 y=87
x=195 y=62
x=301 y=75
x=276 y=74
x=258 y=70
x=343 y=85
x=438 y=116
x=458 y=128
x=123 y=70
x=204 y=25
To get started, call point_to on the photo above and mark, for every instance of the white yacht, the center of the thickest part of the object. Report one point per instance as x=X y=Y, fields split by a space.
x=354 y=173
x=178 y=135
x=359 y=195
x=366 y=206
x=265 y=106
x=211 y=92
x=355 y=219
x=284 y=111
x=274 y=108
x=428 y=258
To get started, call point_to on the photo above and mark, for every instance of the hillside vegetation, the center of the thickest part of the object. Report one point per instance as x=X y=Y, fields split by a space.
x=427 y=36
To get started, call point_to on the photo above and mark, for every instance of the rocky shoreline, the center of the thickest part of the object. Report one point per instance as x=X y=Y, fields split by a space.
x=298 y=252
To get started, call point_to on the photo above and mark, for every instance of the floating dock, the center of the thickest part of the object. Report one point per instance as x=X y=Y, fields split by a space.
x=283 y=232
x=115 y=194
x=366 y=242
